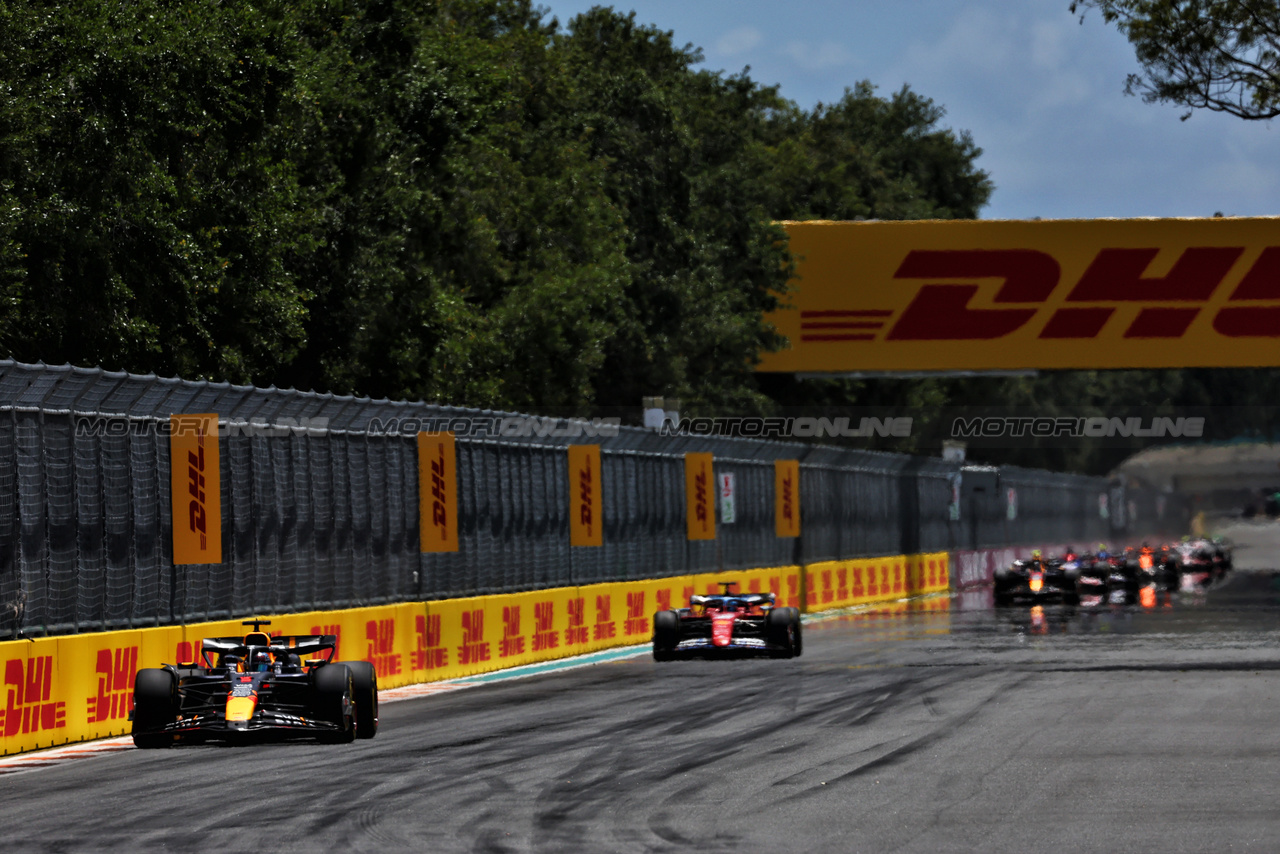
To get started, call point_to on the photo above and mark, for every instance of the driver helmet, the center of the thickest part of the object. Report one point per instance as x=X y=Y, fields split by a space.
x=1035 y=553
x=261 y=660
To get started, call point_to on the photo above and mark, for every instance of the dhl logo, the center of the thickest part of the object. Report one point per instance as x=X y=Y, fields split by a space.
x=28 y=706
x=942 y=311
x=381 y=651
x=787 y=499
x=577 y=631
x=897 y=578
x=991 y=295
x=586 y=486
x=197 y=516
x=842 y=583
x=512 y=642
x=1115 y=276
x=474 y=649
x=428 y=652
x=662 y=599
x=116 y=671
x=439 y=493
x=605 y=627
x=859 y=590
x=637 y=621
x=828 y=595
x=544 y=633
x=701 y=498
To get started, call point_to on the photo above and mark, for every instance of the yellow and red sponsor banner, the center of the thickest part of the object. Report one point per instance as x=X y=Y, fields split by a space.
x=842 y=583
x=586 y=519
x=786 y=497
x=699 y=490
x=992 y=295
x=195 y=489
x=437 y=492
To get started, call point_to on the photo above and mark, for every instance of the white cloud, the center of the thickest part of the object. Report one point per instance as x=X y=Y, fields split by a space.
x=738 y=41
x=819 y=57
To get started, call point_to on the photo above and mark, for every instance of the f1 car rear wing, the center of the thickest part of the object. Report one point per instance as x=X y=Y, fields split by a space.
x=299 y=645
x=746 y=600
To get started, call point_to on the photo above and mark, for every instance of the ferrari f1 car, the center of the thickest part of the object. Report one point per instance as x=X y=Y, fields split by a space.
x=257 y=686
x=727 y=624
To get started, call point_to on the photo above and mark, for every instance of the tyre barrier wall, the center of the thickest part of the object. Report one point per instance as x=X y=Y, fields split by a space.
x=73 y=688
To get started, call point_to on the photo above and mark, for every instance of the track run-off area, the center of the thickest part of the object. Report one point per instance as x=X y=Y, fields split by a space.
x=1134 y=726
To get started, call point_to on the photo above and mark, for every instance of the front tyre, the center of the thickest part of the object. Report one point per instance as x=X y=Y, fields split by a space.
x=155 y=705
x=364 y=696
x=666 y=635
x=331 y=701
x=781 y=628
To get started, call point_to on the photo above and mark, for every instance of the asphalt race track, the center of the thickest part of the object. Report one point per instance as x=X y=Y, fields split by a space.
x=1121 y=727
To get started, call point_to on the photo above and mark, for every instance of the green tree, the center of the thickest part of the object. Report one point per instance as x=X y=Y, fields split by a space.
x=867 y=157
x=148 y=219
x=682 y=154
x=1220 y=55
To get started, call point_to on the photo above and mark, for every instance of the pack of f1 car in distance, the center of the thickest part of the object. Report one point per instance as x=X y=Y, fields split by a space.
x=1076 y=577
x=727 y=625
x=257 y=688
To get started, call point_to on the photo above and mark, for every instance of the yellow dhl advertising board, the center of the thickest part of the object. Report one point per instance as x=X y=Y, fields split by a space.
x=59 y=690
x=586 y=517
x=195 y=489
x=1005 y=295
x=839 y=584
x=437 y=492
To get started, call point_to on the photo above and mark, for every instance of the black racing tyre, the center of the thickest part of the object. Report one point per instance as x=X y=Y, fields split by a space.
x=155 y=704
x=797 y=645
x=364 y=696
x=780 y=629
x=666 y=635
x=331 y=701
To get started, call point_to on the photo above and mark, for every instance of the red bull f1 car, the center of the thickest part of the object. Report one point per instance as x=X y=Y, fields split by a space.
x=727 y=625
x=257 y=687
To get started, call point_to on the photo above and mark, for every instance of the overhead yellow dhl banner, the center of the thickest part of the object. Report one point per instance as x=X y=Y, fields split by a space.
x=699 y=479
x=585 y=516
x=437 y=492
x=195 y=489
x=786 y=497
x=1001 y=295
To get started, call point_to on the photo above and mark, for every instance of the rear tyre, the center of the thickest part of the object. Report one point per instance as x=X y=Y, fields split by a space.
x=666 y=635
x=798 y=641
x=364 y=696
x=331 y=700
x=155 y=705
x=781 y=629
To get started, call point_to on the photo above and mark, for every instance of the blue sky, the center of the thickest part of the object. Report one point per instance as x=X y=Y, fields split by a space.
x=1042 y=94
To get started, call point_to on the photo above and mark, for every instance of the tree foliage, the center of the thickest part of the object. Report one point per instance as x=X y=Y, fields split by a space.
x=1220 y=55
x=459 y=200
